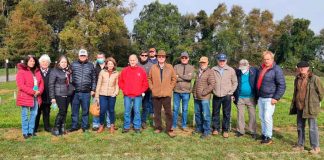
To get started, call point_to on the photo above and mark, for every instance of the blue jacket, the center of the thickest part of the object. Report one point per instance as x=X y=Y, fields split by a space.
x=253 y=77
x=273 y=84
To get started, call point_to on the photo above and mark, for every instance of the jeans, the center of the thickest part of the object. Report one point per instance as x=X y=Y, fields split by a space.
x=266 y=110
x=225 y=102
x=45 y=110
x=129 y=103
x=107 y=105
x=82 y=99
x=28 y=125
x=147 y=106
x=177 y=97
x=202 y=116
x=313 y=130
x=95 y=122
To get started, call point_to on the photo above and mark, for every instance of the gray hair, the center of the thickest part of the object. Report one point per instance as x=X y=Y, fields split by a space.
x=44 y=57
x=244 y=62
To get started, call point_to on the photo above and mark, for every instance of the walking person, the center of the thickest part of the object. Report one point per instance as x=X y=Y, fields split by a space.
x=308 y=94
x=30 y=88
x=60 y=92
x=45 y=108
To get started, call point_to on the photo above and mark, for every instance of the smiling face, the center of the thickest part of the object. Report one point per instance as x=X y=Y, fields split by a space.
x=31 y=62
x=44 y=64
x=221 y=63
x=132 y=60
x=268 y=60
x=144 y=56
x=83 y=58
x=184 y=60
x=161 y=59
x=63 y=63
x=203 y=65
x=110 y=65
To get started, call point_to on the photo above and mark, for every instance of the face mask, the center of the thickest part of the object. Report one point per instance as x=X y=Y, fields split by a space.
x=100 y=61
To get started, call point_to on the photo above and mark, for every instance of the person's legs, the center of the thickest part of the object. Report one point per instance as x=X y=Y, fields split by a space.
x=269 y=110
x=127 y=112
x=252 y=119
x=39 y=113
x=108 y=119
x=85 y=104
x=176 y=106
x=75 y=110
x=111 y=109
x=226 y=103
x=313 y=133
x=185 y=101
x=166 y=101
x=198 y=117
x=46 y=116
x=137 y=112
x=261 y=115
x=157 y=105
x=206 y=116
x=145 y=108
x=215 y=113
x=24 y=120
x=240 y=116
x=33 y=114
x=300 y=128
x=103 y=100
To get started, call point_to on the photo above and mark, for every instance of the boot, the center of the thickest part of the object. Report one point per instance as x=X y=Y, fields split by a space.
x=55 y=131
x=62 y=129
x=112 y=128
x=101 y=128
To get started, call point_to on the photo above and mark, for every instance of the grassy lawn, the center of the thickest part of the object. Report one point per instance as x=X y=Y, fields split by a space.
x=147 y=145
x=3 y=71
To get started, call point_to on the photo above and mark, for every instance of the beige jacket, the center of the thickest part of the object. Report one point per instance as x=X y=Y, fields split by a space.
x=185 y=73
x=226 y=83
x=107 y=85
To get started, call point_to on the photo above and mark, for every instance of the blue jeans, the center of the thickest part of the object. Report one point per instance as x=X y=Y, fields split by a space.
x=95 y=122
x=129 y=103
x=82 y=99
x=202 y=116
x=147 y=106
x=177 y=97
x=108 y=119
x=107 y=105
x=266 y=110
x=28 y=125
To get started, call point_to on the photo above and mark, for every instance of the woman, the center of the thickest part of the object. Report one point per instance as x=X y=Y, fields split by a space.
x=60 y=92
x=106 y=92
x=30 y=88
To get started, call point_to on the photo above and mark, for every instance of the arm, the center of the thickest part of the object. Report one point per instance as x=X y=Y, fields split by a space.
x=173 y=77
x=144 y=82
x=99 y=84
x=211 y=81
x=41 y=84
x=51 y=84
x=319 y=88
x=150 y=81
x=234 y=82
x=188 y=77
x=21 y=84
x=93 y=76
x=117 y=87
x=280 y=84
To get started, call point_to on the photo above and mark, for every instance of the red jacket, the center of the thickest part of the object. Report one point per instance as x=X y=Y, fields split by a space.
x=25 y=84
x=133 y=81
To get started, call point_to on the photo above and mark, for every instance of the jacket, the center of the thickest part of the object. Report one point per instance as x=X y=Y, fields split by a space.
x=164 y=87
x=107 y=85
x=25 y=84
x=314 y=96
x=146 y=66
x=83 y=76
x=273 y=84
x=253 y=78
x=185 y=73
x=45 y=96
x=204 y=85
x=226 y=84
x=57 y=84
x=133 y=81
x=97 y=70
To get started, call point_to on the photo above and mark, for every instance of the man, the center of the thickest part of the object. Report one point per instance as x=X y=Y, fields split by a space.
x=308 y=94
x=226 y=83
x=84 y=81
x=182 y=90
x=44 y=62
x=245 y=96
x=147 y=99
x=271 y=86
x=162 y=80
x=133 y=83
x=153 y=59
x=203 y=86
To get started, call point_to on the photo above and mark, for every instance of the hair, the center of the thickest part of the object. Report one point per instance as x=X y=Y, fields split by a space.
x=44 y=57
x=244 y=61
x=143 y=51
x=60 y=59
x=267 y=53
x=27 y=58
x=100 y=53
x=133 y=55
x=111 y=59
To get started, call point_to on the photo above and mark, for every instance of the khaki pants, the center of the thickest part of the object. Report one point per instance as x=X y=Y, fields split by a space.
x=250 y=104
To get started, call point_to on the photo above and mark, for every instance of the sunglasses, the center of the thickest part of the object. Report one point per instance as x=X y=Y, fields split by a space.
x=144 y=55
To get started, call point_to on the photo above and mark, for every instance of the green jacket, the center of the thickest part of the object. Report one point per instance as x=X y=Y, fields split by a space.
x=314 y=96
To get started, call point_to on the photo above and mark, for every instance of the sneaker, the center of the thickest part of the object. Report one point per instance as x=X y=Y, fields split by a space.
x=48 y=129
x=215 y=132
x=32 y=134
x=267 y=141
x=315 y=150
x=205 y=136
x=238 y=134
x=26 y=136
x=125 y=130
x=137 y=131
x=225 y=135
x=95 y=128
x=157 y=131
x=144 y=126
x=171 y=134
x=298 y=148
x=262 y=137
x=73 y=129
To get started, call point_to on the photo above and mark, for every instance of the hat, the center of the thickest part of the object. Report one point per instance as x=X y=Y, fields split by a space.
x=161 y=53
x=203 y=59
x=152 y=50
x=221 y=57
x=302 y=64
x=184 y=54
x=83 y=52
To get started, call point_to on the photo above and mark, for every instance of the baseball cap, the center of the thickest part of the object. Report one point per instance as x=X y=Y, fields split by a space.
x=221 y=57
x=203 y=59
x=184 y=54
x=83 y=52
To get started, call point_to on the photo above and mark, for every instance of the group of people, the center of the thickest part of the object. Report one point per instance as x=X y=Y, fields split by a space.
x=150 y=83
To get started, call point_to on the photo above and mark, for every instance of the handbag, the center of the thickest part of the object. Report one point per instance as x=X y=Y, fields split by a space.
x=95 y=109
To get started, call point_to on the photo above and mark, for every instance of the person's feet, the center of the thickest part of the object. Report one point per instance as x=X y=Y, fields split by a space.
x=225 y=135
x=157 y=131
x=215 y=132
x=298 y=148
x=196 y=132
x=125 y=130
x=171 y=134
x=144 y=125
x=100 y=129
x=26 y=136
x=95 y=128
x=205 y=136
x=55 y=132
x=185 y=129
x=315 y=150
x=47 y=129
x=137 y=131
x=73 y=129
x=267 y=141
x=238 y=134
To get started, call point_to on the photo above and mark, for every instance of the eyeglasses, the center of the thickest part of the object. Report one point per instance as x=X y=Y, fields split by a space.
x=184 y=57
x=160 y=56
x=144 y=55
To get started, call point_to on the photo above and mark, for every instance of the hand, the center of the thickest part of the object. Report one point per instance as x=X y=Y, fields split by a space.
x=36 y=93
x=92 y=93
x=274 y=101
x=96 y=100
x=53 y=101
x=233 y=98
x=143 y=94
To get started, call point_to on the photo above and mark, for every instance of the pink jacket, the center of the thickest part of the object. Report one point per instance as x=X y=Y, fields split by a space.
x=25 y=83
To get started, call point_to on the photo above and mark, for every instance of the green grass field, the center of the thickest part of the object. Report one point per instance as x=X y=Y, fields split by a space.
x=148 y=145
x=11 y=71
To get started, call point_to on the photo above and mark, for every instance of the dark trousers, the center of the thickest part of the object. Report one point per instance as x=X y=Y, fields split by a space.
x=62 y=103
x=219 y=102
x=158 y=102
x=313 y=130
x=107 y=103
x=45 y=109
x=82 y=99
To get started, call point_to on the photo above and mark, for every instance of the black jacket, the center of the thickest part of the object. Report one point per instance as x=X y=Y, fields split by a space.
x=57 y=84
x=45 y=96
x=83 y=76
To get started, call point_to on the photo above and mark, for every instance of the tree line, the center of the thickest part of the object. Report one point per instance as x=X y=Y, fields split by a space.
x=63 y=26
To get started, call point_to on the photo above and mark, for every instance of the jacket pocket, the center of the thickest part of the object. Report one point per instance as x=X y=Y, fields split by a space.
x=314 y=108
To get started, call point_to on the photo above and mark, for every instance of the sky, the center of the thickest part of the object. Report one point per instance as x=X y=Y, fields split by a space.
x=312 y=10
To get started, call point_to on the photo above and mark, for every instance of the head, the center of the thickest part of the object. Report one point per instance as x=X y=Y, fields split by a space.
x=44 y=61
x=161 y=56
x=267 y=58
x=31 y=62
x=221 y=60
x=244 y=64
x=62 y=62
x=152 y=52
x=203 y=62
x=101 y=58
x=184 y=58
x=143 y=56
x=303 y=67
x=133 y=60
x=83 y=55
x=111 y=64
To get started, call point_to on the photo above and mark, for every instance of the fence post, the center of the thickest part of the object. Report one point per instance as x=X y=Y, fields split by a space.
x=7 y=70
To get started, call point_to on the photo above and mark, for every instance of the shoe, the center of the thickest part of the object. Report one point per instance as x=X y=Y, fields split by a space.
x=171 y=134
x=137 y=131
x=267 y=141
x=254 y=136
x=48 y=129
x=205 y=136
x=73 y=129
x=298 y=148
x=100 y=129
x=26 y=136
x=157 y=131
x=186 y=129
x=112 y=128
x=238 y=134
x=262 y=137
x=95 y=128
x=32 y=134
x=125 y=130
x=55 y=131
x=225 y=135
x=215 y=132
x=315 y=150
x=84 y=130
x=196 y=132
x=144 y=126
x=62 y=130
